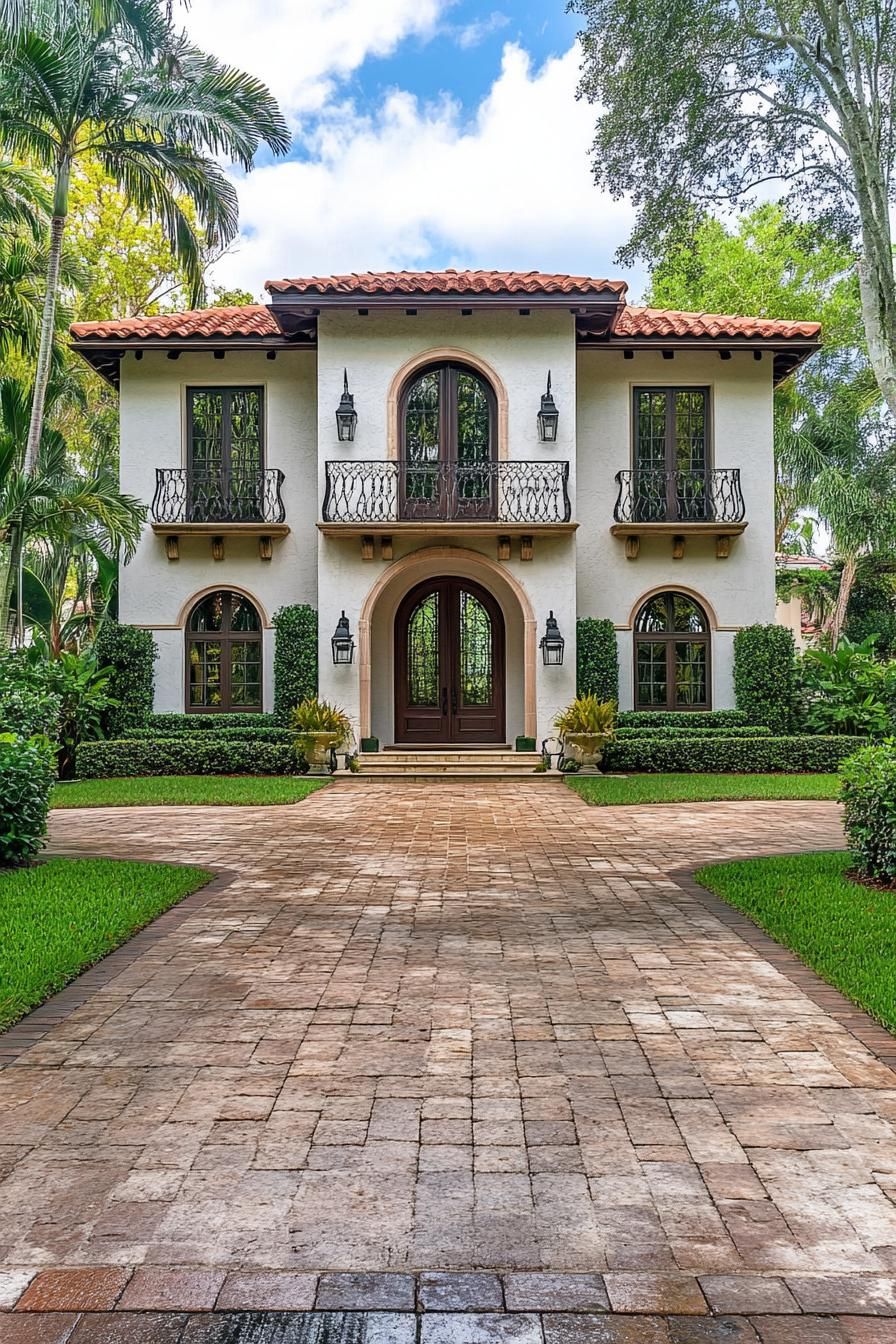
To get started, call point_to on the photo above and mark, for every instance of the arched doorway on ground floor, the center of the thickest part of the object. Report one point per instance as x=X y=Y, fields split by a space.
x=449 y=665
x=474 y=624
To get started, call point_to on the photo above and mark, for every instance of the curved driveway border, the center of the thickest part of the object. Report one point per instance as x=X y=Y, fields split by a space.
x=533 y=901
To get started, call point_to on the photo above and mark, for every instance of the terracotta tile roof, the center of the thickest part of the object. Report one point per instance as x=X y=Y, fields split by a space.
x=666 y=322
x=254 y=319
x=446 y=282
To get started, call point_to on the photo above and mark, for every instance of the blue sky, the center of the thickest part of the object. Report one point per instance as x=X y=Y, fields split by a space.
x=423 y=130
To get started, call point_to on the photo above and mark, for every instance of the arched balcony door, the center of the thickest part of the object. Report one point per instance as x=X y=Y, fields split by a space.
x=448 y=423
x=449 y=665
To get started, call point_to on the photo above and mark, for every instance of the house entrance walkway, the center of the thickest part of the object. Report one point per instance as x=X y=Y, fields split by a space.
x=480 y=1034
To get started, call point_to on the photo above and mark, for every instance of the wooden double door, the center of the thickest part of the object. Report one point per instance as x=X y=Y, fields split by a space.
x=449 y=665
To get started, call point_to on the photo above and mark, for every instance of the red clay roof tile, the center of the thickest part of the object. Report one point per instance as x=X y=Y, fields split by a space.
x=666 y=322
x=254 y=319
x=446 y=282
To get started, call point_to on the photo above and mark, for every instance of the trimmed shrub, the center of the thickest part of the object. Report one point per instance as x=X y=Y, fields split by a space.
x=26 y=776
x=869 y=797
x=765 y=676
x=130 y=653
x=295 y=659
x=696 y=731
x=597 y=659
x=196 y=725
x=207 y=755
x=730 y=755
x=680 y=718
x=257 y=733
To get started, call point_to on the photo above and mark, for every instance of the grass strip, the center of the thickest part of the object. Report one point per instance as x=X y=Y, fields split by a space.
x=843 y=929
x=185 y=790
x=613 y=790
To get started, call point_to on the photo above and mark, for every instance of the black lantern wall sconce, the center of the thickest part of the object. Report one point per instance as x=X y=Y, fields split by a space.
x=346 y=415
x=552 y=643
x=548 y=417
x=342 y=641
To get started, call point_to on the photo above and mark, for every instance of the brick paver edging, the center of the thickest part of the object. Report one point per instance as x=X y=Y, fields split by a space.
x=857 y=1022
x=35 y=1025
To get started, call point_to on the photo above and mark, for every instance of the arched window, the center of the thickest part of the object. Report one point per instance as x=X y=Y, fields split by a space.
x=447 y=415
x=672 y=654
x=223 y=649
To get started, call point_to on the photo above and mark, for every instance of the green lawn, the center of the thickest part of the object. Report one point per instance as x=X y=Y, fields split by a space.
x=845 y=931
x=61 y=916
x=161 y=789
x=603 y=790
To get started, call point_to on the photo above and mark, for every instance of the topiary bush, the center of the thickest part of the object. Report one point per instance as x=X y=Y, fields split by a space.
x=869 y=799
x=258 y=732
x=26 y=777
x=207 y=755
x=597 y=659
x=127 y=654
x=724 y=755
x=692 y=731
x=27 y=704
x=765 y=676
x=295 y=659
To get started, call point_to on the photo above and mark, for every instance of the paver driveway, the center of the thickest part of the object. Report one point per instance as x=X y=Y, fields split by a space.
x=446 y=1027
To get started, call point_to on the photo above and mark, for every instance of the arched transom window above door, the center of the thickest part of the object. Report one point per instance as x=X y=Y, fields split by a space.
x=223 y=655
x=448 y=444
x=672 y=654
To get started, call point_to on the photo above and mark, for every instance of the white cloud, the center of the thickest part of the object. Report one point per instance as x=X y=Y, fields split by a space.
x=471 y=34
x=416 y=185
x=301 y=48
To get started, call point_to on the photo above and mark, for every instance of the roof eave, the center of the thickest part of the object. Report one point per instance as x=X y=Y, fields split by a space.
x=312 y=304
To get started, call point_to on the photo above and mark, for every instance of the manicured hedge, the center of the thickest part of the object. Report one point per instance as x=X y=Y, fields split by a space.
x=765 y=676
x=27 y=774
x=696 y=730
x=679 y=718
x=869 y=797
x=184 y=756
x=739 y=755
x=194 y=725
x=597 y=659
x=295 y=658
x=258 y=732
x=130 y=653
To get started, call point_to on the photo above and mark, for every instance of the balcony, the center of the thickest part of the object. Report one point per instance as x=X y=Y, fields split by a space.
x=218 y=504
x=509 y=498
x=679 y=504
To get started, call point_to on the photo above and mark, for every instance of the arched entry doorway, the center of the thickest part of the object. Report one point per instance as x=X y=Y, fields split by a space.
x=449 y=665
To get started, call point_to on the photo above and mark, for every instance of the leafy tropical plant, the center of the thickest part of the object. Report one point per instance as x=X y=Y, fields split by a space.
x=77 y=684
x=587 y=716
x=848 y=690
x=319 y=716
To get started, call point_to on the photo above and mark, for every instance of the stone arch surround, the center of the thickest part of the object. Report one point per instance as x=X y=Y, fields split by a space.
x=381 y=603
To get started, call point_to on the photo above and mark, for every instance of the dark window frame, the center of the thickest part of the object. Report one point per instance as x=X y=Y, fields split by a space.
x=448 y=370
x=670 y=391
x=451 y=499
x=226 y=637
x=670 y=638
x=227 y=390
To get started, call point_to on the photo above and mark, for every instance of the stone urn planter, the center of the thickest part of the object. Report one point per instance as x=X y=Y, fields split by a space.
x=585 y=748
x=316 y=747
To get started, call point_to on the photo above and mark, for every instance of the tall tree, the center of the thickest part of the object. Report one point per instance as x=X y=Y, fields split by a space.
x=112 y=81
x=703 y=101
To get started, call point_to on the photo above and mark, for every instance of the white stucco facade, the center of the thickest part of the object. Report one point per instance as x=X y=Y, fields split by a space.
x=572 y=571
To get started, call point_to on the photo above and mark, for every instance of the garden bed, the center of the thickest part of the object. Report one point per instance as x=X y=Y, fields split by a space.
x=180 y=790
x=843 y=929
x=63 y=915
x=609 y=790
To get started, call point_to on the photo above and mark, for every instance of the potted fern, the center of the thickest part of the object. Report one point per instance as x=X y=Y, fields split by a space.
x=586 y=726
x=320 y=728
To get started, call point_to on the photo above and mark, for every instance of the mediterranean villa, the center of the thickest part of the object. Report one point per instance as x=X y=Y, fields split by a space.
x=452 y=467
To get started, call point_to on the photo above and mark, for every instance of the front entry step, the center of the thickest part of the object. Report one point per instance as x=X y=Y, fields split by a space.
x=482 y=763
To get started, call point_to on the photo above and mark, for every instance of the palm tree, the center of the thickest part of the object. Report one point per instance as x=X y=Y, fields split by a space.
x=113 y=80
x=65 y=516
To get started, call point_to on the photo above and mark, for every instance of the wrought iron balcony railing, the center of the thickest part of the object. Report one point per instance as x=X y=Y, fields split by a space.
x=394 y=492
x=679 y=496
x=187 y=496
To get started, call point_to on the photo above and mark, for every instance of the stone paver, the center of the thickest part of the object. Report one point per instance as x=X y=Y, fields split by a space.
x=454 y=1028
